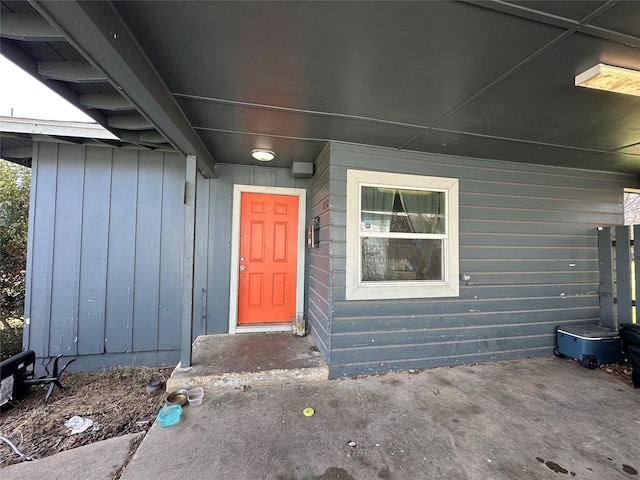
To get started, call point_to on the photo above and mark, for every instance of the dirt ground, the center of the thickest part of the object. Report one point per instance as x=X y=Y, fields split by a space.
x=116 y=400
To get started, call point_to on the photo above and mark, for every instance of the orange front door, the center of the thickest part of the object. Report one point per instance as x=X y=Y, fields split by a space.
x=268 y=260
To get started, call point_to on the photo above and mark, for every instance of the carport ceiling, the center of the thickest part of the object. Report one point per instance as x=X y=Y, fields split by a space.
x=481 y=79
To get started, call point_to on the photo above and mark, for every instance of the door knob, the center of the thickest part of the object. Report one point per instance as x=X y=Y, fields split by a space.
x=242 y=267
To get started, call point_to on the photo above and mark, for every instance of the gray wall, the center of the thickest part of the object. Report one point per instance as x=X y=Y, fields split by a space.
x=527 y=238
x=104 y=271
x=319 y=289
x=213 y=238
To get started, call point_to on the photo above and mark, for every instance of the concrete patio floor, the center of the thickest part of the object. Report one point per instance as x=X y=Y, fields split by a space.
x=532 y=419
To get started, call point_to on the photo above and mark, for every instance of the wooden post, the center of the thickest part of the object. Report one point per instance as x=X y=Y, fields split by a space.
x=188 y=265
x=606 y=277
x=623 y=275
x=636 y=262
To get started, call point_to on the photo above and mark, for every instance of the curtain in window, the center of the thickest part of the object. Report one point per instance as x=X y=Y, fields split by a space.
x=376 y=208
x=376 y=213
x=423 y=212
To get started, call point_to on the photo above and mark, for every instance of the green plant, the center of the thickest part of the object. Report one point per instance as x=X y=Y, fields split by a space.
x=14 y=210
x=10 y=337
x=15 y=183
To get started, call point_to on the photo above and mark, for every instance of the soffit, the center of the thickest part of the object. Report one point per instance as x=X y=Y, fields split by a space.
x=482 y=79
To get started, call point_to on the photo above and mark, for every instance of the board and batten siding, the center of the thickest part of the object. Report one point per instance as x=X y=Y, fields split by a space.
x=527 y=240
x=214 y=201
x=104 y=267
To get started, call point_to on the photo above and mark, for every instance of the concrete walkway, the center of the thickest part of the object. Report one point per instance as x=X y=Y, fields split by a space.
x=534 y=419
x=96 y=461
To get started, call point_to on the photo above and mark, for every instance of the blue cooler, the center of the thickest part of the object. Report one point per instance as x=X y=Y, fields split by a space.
x=591 y=345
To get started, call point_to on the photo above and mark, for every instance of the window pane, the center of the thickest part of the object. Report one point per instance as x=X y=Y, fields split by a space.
x=377 y=209
x=402 y=210
x=425 y=210
x=396 y=259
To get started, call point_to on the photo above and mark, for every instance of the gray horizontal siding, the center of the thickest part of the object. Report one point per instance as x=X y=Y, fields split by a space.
x=214 y=208
x=428 y=338
x=474 y=169
x=319 y=272
x=490 y=200
x=483 y=343
x=104 y=276
x=507 y=227
x=450 y=359
x=527 y=239
x=387 y=311
x=585 y=191
x=527 y=253
x=526 y=266
x=471 y=317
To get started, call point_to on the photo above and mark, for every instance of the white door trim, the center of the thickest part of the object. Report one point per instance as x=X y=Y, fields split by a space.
x=235 y=254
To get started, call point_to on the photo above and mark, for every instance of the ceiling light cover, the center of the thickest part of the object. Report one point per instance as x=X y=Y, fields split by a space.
x=611 y=79
x=263 y=155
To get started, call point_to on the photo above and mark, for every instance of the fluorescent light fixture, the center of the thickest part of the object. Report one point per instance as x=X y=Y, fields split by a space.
x=612 y=79
x=262 y=155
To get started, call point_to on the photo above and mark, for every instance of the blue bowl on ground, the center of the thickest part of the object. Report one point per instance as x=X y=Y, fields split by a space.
x=169 y=415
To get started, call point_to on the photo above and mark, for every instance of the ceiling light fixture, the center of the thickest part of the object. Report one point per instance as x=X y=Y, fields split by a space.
x=611 y=79
x=262 y=155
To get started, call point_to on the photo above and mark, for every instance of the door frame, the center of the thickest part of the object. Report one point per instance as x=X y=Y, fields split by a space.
x=238 y=190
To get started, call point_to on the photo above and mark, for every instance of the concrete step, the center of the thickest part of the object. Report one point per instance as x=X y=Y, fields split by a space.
x=250 y=359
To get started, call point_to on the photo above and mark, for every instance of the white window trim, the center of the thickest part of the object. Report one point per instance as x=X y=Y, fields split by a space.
x=357 y=290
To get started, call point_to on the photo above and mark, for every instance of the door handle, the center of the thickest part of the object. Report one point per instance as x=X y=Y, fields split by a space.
x=242 y=267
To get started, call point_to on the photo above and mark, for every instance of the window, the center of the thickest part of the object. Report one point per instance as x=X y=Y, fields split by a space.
x=402 y=236
x=631 y=207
